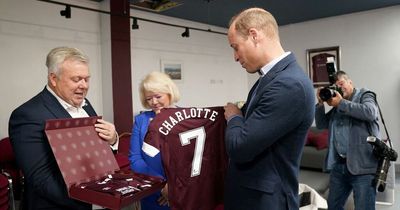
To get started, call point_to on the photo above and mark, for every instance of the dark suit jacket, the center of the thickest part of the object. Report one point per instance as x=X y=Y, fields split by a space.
x=44 y=185
x=265 y=146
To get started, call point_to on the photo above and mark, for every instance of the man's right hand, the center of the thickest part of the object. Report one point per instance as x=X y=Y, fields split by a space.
x=335 y=100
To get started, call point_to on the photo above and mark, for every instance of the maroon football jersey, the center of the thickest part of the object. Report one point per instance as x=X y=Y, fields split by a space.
x=191 y=143
x=320 y=74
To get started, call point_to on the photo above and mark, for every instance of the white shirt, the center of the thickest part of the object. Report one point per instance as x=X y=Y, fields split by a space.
x=265 y=69
x=76 y=112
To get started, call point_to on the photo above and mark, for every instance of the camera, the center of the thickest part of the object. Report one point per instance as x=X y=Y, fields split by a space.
x=327 y=93
x=384 y=154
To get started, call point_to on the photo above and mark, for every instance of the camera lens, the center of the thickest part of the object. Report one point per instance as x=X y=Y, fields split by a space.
x=326 y=94
x=381 y=174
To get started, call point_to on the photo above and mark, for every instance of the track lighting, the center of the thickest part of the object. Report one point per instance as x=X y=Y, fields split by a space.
x=66 y=12
x=186 y=33
x=134 y=24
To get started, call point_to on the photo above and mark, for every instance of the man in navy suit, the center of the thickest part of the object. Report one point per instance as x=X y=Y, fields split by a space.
x=63 y=97
x=265 y=139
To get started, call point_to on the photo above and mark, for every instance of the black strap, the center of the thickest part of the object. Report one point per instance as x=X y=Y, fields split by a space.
x=380 y=113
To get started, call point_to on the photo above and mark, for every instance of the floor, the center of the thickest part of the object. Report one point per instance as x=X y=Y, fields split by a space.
x=394 y=206
x=394 y=198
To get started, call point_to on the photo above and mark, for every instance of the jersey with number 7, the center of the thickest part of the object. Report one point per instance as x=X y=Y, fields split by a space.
x=191 y=142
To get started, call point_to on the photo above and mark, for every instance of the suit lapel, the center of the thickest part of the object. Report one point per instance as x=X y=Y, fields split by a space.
x=265 y=80
x=250 y=96
x=51 y=103
x=89 y=109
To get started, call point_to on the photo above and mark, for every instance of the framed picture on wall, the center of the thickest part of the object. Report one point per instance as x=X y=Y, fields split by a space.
x=316 y=64
x=173 y=68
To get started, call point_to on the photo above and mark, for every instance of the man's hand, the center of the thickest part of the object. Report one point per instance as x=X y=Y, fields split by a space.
x=320 y=101
x=335 y=100
x=106 y=131
x=231 y=110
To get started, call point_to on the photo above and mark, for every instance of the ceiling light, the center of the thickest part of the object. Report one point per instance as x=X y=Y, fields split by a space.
x=134 y=24
x=156 y=5
x=186 y=33
x=66 y=12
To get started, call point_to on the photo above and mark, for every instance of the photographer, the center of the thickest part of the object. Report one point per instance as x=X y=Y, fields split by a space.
x=350 y=159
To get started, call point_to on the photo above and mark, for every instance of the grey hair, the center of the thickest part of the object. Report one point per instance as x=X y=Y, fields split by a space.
x=341 y=74
x=58 y=55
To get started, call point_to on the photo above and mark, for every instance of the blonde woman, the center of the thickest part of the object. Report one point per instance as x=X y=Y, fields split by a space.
x=157 y=91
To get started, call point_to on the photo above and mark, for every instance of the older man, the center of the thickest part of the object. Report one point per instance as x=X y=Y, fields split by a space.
x=63 y=97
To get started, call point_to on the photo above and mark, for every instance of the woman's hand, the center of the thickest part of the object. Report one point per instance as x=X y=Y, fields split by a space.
x=163 y=200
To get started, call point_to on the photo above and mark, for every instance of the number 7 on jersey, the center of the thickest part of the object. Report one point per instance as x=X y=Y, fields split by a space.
x=199 y=135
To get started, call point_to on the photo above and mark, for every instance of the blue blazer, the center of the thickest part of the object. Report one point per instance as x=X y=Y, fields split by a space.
x=141 y=162
x=265 y=146
x=44 y=184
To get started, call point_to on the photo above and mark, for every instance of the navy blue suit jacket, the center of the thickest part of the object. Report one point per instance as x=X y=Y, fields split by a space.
x=44 y=184
x=265 y=146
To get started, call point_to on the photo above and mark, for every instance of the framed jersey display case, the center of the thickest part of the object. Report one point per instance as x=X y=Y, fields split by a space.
x=316 y=64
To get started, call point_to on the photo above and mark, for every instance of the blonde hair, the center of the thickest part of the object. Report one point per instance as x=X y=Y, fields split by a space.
x=161 y=83
x=57 y=56
x=255 y=18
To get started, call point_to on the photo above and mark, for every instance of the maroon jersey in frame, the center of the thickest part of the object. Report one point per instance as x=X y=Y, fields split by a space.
x=191 y=142
x=320 y=73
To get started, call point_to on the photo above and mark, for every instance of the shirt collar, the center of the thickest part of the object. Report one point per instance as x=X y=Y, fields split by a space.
x=265 y=69
x=64 y=103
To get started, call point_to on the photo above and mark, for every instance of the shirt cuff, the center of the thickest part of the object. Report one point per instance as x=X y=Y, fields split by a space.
x=115 y=145
x=234 y=116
